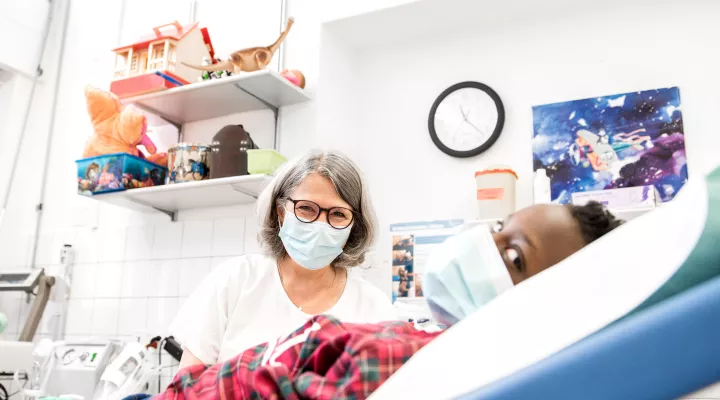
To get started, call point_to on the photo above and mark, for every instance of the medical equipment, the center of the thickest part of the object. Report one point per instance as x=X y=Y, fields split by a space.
x=20 y=280
x=99 y=370
x=464 y=273
x=16 y=355
x=312 y=245
x=495 y=192
x=64 y=368
x=173 y=347
x=79 y=366
x=27 y=281
x=127 y=374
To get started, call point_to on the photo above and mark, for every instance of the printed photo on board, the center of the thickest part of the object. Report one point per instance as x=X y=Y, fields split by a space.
x=402 y=266
x=412 y=244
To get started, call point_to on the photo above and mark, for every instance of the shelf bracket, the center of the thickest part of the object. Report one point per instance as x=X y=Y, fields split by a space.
x=274 y=109
x=159 y=115
x=171 y=214
x=246 y=193
x=268 y=105
x=276 y=144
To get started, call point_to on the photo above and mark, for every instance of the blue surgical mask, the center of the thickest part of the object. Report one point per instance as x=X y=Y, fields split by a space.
x=463 y=274
x=312 y=245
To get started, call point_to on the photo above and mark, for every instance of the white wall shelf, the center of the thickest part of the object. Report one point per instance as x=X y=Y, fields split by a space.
x=248 y=91
x=176 y=197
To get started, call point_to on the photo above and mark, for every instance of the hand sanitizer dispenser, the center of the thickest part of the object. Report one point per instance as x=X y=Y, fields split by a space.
x=541 y=187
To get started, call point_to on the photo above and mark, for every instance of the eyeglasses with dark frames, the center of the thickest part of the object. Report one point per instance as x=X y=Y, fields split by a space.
x=308 y=212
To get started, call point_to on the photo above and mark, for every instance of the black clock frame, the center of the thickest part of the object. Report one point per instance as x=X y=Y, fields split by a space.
x=496 y=132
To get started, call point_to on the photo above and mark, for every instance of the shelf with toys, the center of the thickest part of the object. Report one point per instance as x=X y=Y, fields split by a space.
x=249 y=91
x=170 y=199
x=157 y=81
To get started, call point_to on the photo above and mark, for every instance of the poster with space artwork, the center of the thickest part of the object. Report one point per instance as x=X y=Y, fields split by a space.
x=622 y=140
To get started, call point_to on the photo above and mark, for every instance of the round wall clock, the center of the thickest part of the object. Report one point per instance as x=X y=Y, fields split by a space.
x=466 y=119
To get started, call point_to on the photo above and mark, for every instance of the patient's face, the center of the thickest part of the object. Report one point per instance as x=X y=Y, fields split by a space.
x=536 y=238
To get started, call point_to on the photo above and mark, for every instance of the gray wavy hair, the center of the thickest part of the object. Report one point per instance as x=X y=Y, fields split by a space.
x=348 y=182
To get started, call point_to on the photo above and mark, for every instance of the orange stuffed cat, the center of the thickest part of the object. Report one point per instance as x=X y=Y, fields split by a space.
x=118 y=129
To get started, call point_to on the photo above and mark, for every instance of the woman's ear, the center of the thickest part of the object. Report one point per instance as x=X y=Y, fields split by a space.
x=281 y=214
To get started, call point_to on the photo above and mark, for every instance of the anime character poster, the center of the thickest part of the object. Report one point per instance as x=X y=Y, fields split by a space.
x=622 y=140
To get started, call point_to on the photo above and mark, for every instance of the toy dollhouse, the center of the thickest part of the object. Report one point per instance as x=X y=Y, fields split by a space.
x=153 y=62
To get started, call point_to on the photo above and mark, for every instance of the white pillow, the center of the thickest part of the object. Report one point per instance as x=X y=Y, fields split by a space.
x=621 y=272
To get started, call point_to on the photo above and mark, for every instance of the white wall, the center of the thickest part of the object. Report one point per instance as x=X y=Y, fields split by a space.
x=26 y=20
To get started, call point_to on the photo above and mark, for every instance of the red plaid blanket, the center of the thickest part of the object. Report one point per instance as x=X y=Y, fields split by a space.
x=324 y=359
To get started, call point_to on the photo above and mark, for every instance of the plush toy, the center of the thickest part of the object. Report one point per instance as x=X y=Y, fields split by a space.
x=118 y=129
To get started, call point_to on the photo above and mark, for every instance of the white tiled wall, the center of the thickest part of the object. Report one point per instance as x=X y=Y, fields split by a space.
x=131 y=281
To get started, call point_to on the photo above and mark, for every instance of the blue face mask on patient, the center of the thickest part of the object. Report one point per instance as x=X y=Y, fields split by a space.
x=463 y=274
x=312 y=245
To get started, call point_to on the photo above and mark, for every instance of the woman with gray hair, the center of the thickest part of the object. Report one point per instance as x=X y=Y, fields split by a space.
x=316 y=221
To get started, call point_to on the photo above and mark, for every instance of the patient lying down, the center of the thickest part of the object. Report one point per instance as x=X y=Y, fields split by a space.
x=328 y=359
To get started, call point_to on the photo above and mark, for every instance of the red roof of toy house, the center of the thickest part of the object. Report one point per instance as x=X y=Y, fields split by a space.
x=170 y=32
x=208 y=43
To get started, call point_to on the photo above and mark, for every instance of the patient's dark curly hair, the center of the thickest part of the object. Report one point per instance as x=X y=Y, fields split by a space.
x=594 y=220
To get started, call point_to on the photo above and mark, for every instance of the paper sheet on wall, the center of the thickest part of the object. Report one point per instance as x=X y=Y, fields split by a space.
x=412 y=244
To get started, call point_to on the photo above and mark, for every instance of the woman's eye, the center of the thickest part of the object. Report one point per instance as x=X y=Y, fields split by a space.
x=515 y=259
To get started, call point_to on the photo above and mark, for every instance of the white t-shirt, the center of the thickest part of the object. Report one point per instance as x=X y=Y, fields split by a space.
x=242 y=304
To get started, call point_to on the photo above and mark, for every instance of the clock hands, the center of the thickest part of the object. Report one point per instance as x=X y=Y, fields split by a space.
x=471 y=124
x=463 y=114
x=476 y=128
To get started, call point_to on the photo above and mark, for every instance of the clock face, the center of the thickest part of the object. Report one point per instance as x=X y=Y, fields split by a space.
x=466 y=119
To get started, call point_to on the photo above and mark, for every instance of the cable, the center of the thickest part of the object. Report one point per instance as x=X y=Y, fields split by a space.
x=160 y=350
x=15 y=392
x=3 y=393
